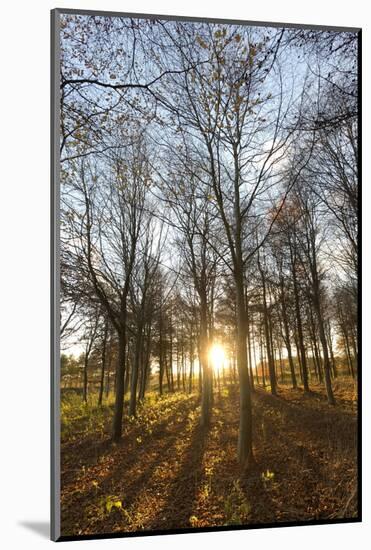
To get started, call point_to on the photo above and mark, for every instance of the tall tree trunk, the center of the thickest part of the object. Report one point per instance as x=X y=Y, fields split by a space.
x=234 y=365
x=344 y=329
x=206 y=399
x=161 y=361
x=262 y=358
x=272 y=372
x=129 y=362
x=249 y=345
x=244 y=448
x=171 y=370
x=255 y=361
x=281 y=366
x=315 y=353
x=183 y=367
x=120 y=383
x=314 y=360
x=287 y=334
x=321 y=330
x=191 y=362
x=326 y=361
x=135 y=370
x=331 y=349
x=354 y=345
x=85 y=378
x=146 y=363
x=109 y=368
x=298 y=358
x=178 y=364
x=199 y=364
x=347 y=352
x=303 y=359
x=103 y=365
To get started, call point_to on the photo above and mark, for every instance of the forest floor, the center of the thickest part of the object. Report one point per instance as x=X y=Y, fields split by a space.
x=169 y=473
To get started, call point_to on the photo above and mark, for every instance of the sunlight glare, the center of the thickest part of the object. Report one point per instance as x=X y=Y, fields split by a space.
x=217 y=356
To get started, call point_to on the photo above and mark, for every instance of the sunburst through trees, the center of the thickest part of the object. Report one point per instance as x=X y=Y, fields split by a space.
x=209 y=210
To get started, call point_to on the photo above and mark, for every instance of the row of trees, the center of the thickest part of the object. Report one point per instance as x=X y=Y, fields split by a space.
x=169 y=353
x=209 y=193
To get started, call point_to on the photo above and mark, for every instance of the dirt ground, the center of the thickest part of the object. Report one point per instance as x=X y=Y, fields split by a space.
x=169 y=473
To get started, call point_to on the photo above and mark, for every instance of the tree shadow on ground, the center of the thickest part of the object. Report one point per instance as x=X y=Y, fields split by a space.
x=178 y=507
x=126 y=478
x=308 y=416
x=314 y=448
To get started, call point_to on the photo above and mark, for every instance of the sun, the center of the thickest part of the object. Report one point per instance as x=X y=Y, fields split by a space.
x=217 y=356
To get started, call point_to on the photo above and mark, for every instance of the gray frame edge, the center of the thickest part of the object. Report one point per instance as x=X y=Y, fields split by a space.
x=104 y=13
x=55 y=470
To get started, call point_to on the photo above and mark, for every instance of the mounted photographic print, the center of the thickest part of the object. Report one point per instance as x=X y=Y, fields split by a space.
x=205 y=202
